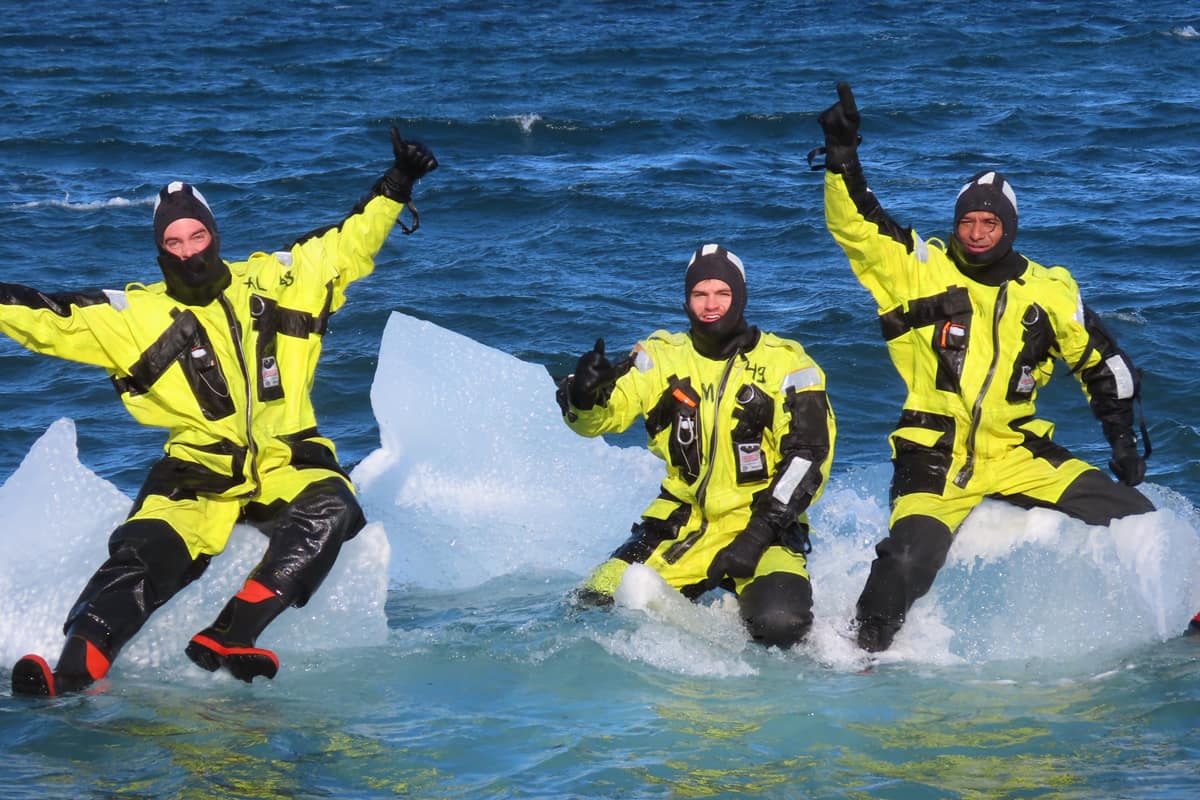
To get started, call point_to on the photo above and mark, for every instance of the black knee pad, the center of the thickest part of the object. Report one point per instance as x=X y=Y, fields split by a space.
x=777 y=608
x=919 y=544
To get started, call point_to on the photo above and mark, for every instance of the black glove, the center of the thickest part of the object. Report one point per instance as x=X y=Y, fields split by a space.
x=739 y=558
x=840 y=123
x=413 y=160
x=593 y=379
x=1126 y=462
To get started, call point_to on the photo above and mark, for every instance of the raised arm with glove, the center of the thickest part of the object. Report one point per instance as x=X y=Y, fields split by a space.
x=840 y=123
x=973 y=327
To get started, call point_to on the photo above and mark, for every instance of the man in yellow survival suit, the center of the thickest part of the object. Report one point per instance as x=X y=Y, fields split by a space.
x=742 y=420
x=223 y=356
x=973 y=329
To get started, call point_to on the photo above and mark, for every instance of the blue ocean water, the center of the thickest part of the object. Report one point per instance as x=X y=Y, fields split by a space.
x=586 y=148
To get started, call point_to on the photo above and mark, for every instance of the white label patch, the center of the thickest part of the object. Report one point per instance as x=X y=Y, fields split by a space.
x=270 y=372
x=750 y=458
x=1026 y=383
x=790 y=479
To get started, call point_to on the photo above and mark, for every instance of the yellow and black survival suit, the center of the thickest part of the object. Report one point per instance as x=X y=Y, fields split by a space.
x=742 y=420
x=222 y=355
x=974 y=336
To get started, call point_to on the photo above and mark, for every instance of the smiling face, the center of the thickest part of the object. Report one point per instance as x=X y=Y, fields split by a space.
x=710 y=300
x=979 y=231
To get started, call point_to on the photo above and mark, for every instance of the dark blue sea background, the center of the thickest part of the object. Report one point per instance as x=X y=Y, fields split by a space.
x=586 y=149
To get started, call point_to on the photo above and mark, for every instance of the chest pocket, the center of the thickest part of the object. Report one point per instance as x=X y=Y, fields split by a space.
x=1037 y=343
x=949 y=314
x=755 y=413
x=270 y=321
x=186 y=343
x=679 y=410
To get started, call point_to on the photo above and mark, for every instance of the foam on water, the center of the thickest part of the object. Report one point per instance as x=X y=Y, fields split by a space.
x=114 y=202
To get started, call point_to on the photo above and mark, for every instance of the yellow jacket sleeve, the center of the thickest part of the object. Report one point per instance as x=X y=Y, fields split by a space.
x=346 y=252
x=78 y=326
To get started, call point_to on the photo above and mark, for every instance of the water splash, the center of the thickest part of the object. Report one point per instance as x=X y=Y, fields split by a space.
x=470 y=487
x=526 y=121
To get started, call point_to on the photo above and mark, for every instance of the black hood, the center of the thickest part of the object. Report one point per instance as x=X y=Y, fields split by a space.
x=717 y=339
x=986 y=191
x=196 y=280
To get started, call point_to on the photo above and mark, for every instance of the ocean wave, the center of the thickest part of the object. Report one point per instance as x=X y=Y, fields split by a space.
x=88 y=205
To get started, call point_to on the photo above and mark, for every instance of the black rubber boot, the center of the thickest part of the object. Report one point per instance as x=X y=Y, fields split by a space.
x=229 y=642
x=80 y=665
x=32 y=677
x=875 y=635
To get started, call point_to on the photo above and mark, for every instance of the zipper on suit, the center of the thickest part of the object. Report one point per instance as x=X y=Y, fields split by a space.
x=676 y=551
x=251 y=445
x=964 y=475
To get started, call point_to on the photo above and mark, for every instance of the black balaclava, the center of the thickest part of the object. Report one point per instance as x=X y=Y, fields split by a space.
x=198 y=279
x=722 y=338
x=988 y=191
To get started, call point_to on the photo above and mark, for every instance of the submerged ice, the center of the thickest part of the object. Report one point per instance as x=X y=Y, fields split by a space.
x=477 y=480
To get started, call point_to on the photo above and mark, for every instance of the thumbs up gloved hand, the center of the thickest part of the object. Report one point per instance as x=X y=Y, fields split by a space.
x=1126 y=462
x=593 y=379
x=413 y=160
x=840 y=123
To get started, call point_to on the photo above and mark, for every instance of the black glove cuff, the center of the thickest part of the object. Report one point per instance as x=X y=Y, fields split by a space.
x=579 y=397
x=842 y=159
x=396 y=185
x=1119 y=436
x=761 y=532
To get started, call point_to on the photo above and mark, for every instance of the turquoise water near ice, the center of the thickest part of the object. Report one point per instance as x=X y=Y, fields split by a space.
x=586 y=148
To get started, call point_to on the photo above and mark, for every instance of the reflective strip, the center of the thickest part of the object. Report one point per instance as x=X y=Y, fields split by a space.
x=801 y=379
x=1120 y=370
x=283 y=257
x=920 y=249
x=1079 y=308
x=642 y=360
x=785 y=487
x=117 y=299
